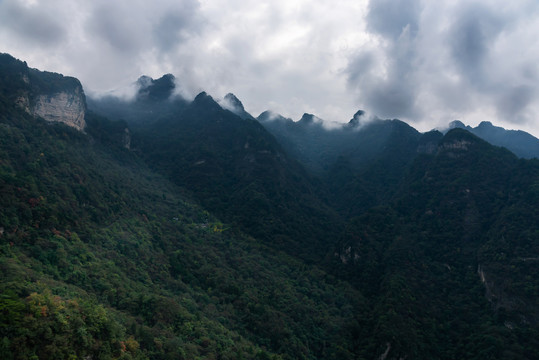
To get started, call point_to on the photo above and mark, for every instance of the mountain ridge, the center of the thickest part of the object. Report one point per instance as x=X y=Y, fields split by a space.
x=218 y=236
x=102 y=257
x=519 y=142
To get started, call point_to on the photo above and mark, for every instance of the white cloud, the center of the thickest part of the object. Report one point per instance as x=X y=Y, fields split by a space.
x=426 y=62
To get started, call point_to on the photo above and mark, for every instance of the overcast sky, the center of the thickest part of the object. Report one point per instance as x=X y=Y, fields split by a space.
x=425 y=62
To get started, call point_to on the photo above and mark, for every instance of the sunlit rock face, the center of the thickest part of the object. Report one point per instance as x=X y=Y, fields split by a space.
x=67 y=107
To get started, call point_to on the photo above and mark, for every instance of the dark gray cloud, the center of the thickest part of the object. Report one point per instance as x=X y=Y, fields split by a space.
x=36 y=24
x=109 y=24
x=360 y=67
x=514 y=102
x=473 y=60
x=485 y=61
x=390 y=17
x=177 y=26
x=385 y=77
x=470 y=38
x=388 y=94
x=161 y=28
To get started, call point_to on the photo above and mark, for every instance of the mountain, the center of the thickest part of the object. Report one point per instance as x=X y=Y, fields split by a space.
x=307 y=139
x=178 y=229
x=232 y=103
x=155 y=90
x=237 y=170
x=153 y=100
x=102 y=257
x=361 y=163
x=50 y=96
x=450 y=262
x=519 y=142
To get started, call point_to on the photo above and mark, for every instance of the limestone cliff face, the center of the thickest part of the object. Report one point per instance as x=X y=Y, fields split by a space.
x=68 y=107
x=49 y=95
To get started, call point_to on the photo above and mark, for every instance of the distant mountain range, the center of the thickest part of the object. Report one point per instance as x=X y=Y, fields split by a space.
x=519 y=142
x=154 y=96
x=164 y=228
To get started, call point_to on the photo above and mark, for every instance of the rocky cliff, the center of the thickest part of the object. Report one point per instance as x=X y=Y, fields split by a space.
x=48 y=95
x=67 y=107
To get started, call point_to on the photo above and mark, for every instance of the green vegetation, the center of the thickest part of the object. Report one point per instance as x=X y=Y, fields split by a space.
x=206 y=240
x=239 y=172
x=437 y=261
x=102 y=257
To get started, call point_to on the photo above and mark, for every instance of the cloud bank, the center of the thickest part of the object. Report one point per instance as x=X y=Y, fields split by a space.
x=473 y=60
x=424 y=62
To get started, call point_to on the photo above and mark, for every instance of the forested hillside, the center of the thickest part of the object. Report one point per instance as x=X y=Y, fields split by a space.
x=102 y=258
x=238 y=171
x=170 y=229
x=450 y=263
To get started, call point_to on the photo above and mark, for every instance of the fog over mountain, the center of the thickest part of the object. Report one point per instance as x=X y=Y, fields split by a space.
x=427 y=63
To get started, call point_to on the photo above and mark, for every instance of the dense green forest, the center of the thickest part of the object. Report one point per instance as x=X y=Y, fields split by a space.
x=102 y=257
x=207 y=237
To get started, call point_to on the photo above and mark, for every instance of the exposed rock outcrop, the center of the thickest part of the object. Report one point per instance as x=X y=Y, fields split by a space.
x=44 y=94
x=67 y=107
x=126 y=140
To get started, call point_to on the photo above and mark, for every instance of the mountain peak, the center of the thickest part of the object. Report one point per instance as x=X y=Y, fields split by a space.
x=202 y=97
x=307 y=118
x=356 y=119
x=233 y=101
x=519 y=142
x=485 y=124
x=50 y=96
x=458 y=140
x=144 y=81
x=456 y=124
x=205 y=101
x=269 y=115
x=157 y=90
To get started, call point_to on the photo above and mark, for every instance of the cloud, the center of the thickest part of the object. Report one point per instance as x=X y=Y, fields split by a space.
x=385 y=75
x=177 y=26
x=32 y=22
x=390 y=17
x=123 y=34
x=426 y=62
x=515 y=102
x=470 y=39
x=430 y=61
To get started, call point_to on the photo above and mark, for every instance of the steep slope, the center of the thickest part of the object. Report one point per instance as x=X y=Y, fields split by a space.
x=362 y=164
x=197 y=238
x=232 y=103
x=102 y=258
x=236 y=169
x=370 y=172
x=307 y=140
x=450 y=264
